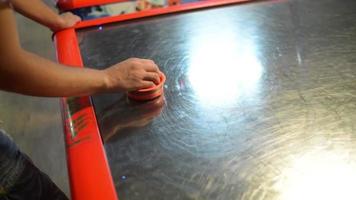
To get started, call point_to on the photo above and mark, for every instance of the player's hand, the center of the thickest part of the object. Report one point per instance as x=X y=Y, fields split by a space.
x=66 y=20
x=132 y=74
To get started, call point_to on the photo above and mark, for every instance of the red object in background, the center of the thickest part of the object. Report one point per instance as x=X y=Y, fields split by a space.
x=72 y=4
x=89 y=173
x=173 y=2
x=157 y=11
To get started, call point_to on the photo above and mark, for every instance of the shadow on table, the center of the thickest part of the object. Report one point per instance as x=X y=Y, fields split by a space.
x=125 y=114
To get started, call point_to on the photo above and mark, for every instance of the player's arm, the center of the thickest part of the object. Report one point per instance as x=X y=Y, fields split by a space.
x=41 y=13
x=26 y=73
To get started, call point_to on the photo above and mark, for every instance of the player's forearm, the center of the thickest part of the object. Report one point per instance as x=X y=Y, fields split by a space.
x=38 y=11
x=29 y=74
x=26 y=73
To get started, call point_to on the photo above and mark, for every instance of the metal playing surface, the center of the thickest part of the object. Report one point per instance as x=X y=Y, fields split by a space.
x=260 y=103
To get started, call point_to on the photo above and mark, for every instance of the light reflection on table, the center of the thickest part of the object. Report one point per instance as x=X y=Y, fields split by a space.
x=319 y=174
x=223 y=66
x=260 y=103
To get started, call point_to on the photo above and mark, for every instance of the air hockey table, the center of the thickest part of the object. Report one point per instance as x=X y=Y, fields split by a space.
x=259 y=103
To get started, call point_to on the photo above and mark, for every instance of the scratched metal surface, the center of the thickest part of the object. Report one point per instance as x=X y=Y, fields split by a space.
x=260 y=103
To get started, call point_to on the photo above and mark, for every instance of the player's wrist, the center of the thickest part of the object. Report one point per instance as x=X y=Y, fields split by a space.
x=110 y=83
x=58 y=23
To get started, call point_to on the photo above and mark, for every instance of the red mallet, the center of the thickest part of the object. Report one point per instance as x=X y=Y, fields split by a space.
x=149 y=93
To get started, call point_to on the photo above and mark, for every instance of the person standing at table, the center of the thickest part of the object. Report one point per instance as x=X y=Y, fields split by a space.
x=29 y=74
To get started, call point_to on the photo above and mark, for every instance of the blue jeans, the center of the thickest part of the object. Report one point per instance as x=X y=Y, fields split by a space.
x=20 y=179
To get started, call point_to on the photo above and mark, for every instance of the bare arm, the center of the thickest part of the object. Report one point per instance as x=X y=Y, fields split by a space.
x=41 y=13
x=26 y=73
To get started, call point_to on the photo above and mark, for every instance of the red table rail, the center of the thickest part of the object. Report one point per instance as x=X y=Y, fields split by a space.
x=89 y=173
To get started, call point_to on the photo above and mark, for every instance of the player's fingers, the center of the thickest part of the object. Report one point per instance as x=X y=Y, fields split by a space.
x=152 y=76
x=74 y=18
x=77 y=18
x=150 y=66
x=147 y=61
x=146 y=84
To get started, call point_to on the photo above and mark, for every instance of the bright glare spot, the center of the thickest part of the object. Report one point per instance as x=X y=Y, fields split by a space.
x=319 y=175
x=222 y=69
